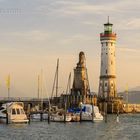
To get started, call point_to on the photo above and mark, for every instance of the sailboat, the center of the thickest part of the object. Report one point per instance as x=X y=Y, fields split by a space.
x=58 y=116
x=37 y=116
x=87 y=113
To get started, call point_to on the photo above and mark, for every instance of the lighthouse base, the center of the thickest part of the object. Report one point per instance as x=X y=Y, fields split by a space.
x=112 y=107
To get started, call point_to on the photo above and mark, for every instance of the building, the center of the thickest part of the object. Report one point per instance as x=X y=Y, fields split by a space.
x=80 y=91
x=107 y=83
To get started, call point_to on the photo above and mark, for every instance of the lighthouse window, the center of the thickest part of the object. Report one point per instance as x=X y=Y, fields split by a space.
x=111 y=43
x=106 y=71
x=111 y=62
x=105 y=84
x=106 y=43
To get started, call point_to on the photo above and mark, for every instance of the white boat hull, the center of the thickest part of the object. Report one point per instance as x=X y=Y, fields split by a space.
x=37 y=117
x=87 y=115
x=60 y=118
x=89 y=118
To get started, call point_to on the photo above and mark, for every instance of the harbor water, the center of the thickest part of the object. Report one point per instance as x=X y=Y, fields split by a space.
x=128 y=128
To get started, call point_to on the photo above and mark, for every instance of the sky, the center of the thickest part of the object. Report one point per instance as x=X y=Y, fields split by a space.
x=34 y=33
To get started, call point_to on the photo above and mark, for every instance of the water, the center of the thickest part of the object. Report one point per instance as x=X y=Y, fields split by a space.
x=128 y=128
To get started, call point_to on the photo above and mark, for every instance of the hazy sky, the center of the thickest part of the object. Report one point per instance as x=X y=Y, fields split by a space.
x=39 y=31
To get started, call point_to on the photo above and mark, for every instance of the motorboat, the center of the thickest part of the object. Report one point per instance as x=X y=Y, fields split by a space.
x=14 y=111
x=59 y=117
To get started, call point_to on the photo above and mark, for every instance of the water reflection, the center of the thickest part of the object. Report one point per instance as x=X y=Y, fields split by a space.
x=127 y=128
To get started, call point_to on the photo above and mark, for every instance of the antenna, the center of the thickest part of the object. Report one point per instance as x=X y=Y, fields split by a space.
x=108 y=19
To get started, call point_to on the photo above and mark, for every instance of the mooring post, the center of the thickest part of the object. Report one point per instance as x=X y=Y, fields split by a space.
x=106 y=112
x=29 y=113
x=29 y=117
x=49 y=113
x=65 y=113
x=7 y=118
x=118 y=107
x=41 y=116
x=92 y=113
x=80 y=112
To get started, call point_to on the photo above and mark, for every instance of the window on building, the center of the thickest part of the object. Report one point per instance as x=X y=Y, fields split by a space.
x=102 y=44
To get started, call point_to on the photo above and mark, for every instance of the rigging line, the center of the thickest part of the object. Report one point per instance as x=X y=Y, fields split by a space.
x=55 y=80
x=53 y=85
x=45 y=86
x=87 y=75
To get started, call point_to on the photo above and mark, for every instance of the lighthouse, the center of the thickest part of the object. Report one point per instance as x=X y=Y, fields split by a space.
x=107 y=82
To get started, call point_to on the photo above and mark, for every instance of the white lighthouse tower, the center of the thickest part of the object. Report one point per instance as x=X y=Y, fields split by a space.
x=107 y=84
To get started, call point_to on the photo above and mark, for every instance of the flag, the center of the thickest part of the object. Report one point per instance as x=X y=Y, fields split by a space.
x=126 y=89
x=8 y=82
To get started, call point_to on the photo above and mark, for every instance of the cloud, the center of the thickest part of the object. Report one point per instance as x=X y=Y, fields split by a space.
x=129 y=24
x=76 y=39
x=122 y=49
x=80 y=7
x=33 y=35
x=133 y=23
x=89 y=23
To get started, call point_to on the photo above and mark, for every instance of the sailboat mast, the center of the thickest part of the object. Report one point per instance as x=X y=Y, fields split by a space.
x=41 y=82
x=8 y=82
x=41 y=88
x=57 y=77
x=38 y=80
